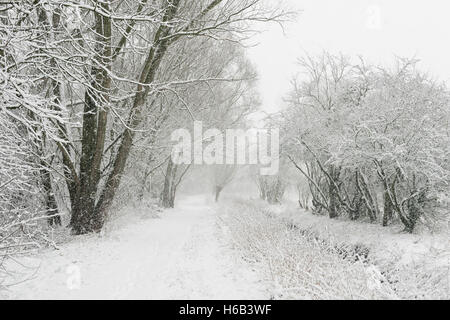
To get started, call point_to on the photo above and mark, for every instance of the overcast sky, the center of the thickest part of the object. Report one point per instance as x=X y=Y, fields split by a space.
x=378 y=30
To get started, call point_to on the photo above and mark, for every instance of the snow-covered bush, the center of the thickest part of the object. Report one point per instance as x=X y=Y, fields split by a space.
x=362 y=133
x=271 y=188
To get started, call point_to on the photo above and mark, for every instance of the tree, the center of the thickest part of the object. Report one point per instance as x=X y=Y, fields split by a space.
x=222 y=176
x=319 y=101
x=271 y=188
x=378 y=130
x=98 y=65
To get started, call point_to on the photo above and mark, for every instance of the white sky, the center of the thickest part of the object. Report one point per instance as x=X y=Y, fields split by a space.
x=376 y=29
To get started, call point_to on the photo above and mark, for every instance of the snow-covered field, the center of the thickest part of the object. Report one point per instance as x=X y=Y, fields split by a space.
x=240 y=249
x=183 y=254
x=313 y=257
x=384 y=242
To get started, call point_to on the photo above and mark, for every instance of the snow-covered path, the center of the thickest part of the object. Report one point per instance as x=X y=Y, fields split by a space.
x=182 y=255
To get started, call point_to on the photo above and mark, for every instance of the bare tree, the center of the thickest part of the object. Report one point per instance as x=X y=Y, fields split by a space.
x=353 y=130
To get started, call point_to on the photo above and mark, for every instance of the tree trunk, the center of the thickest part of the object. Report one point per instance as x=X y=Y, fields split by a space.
x=50 y=200
x=142 y=189
x=262 y=188
x=169 y=190
x=148 y=74
x=369 y=200
x=388 y=209
x=333 y=197
x=84 y=216
x=333 y=201
x=218 y=191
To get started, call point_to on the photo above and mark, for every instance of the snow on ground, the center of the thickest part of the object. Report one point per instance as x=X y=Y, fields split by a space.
x=418 y=265
x=193 y=253
x=284 y=240
x=182 y=255
x=383 y=242
x=295 y=265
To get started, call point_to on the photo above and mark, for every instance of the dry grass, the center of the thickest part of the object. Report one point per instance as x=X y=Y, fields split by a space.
x=301 y=266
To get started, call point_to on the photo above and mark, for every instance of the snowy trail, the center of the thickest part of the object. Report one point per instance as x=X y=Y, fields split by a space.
x=182 y=255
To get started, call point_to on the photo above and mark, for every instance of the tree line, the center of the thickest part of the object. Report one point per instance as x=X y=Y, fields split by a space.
x=371 y=143
x=91 y=90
